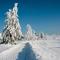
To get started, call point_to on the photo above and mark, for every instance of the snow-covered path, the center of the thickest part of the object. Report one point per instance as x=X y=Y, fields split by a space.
x=33 y=50
x=27 y=53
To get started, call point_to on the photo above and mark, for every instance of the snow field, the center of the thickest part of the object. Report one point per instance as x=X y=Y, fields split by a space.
x=42 y=50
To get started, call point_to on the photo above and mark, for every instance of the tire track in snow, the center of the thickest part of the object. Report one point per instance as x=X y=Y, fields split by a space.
x=27 y=53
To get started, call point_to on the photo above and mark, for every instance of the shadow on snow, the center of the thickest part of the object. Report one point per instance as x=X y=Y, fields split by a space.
x=27 y=53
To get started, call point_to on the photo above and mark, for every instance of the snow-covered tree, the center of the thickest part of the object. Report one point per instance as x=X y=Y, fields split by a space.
x=1 y=37
x=12 y=30
x=30 y=34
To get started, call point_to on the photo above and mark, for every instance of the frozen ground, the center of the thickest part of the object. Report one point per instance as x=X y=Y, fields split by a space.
x=31 y=50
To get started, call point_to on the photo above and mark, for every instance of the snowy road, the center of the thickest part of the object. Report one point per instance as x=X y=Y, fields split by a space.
x=27 y=53
x=33 y=50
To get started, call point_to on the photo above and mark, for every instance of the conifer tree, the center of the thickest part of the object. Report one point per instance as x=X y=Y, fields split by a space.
x=12 y=30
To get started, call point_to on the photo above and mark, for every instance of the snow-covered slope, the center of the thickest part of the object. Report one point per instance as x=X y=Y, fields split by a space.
x=33 y=50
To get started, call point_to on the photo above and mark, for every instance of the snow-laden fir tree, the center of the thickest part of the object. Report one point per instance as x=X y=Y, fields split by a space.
x=12 y=30
x=30 y=35
x=29 y=32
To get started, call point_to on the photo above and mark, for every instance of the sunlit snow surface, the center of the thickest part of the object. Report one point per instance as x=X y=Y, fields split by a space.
x=31 y=50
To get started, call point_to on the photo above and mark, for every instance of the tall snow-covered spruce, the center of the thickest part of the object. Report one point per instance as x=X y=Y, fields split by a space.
x=12 y=30
x=30 y=34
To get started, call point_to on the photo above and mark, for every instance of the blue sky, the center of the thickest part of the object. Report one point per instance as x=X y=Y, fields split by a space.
x=42 y=15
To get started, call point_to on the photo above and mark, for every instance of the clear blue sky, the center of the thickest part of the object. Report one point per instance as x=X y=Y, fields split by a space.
x=42 y=15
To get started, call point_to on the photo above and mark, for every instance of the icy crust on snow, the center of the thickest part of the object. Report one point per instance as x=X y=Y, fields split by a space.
x=42 y=49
